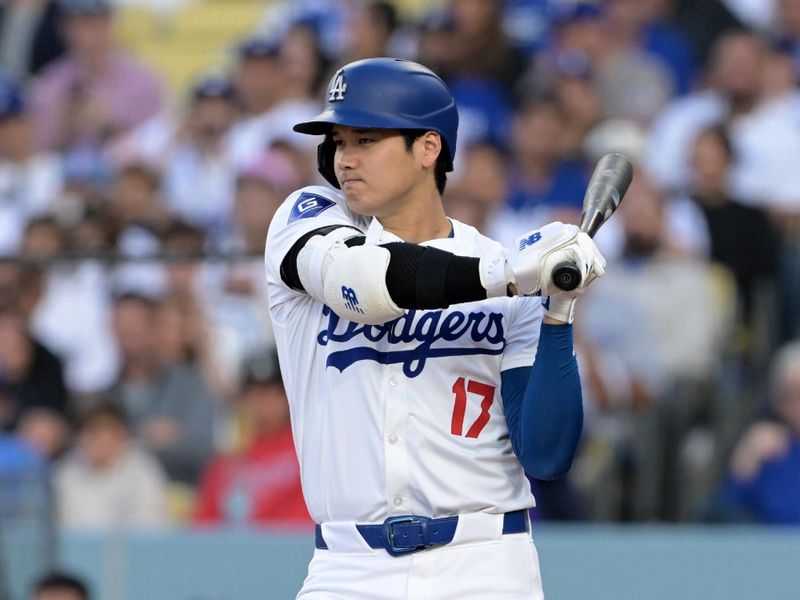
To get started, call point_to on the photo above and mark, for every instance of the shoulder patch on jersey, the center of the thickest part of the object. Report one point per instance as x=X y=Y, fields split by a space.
x=309 y=205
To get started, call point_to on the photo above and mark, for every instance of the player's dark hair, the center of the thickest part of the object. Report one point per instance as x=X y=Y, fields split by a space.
x=442 y=163
x=61 y=581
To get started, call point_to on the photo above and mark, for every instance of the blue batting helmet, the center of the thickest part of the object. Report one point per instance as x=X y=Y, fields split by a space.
x=384 y=93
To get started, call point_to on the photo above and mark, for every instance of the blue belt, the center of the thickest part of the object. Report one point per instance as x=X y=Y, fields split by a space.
x=409 y=533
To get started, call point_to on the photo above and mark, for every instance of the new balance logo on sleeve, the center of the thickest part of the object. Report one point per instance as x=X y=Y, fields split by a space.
x=350 y=299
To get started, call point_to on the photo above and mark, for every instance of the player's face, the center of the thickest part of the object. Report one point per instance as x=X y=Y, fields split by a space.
x=375 y=169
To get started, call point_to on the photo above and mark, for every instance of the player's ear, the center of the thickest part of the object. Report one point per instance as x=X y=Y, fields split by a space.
x=431 y=143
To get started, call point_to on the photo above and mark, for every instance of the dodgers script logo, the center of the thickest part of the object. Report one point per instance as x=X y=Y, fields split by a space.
x=435 y=333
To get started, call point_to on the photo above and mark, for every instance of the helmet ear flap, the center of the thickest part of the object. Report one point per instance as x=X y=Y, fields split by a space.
x=325 y=152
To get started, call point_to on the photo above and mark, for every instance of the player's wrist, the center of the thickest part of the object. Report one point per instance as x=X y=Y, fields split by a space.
x=548 y=320
x=496 y=275
x=558 y=309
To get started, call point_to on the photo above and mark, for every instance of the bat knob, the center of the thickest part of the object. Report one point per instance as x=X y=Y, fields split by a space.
x=566 y=276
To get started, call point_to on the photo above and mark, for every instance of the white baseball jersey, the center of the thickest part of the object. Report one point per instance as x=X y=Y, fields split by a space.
x=404 y=417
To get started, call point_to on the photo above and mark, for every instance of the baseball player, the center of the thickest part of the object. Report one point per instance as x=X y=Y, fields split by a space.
x=424 y=373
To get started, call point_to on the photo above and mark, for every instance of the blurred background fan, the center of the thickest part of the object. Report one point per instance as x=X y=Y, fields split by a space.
x=145 y=146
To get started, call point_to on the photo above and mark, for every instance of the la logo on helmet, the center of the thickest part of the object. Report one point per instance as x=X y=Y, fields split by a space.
x=338 y=87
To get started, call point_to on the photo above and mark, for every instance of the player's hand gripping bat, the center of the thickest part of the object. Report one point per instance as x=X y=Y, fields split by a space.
x=605 y=191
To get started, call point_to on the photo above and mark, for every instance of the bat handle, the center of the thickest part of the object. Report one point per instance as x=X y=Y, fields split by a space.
x=566 y=276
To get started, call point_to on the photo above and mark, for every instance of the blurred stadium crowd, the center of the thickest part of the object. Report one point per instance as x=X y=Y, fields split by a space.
x=137 y=368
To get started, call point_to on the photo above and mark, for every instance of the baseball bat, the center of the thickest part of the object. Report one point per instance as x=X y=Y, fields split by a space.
x=607 y=187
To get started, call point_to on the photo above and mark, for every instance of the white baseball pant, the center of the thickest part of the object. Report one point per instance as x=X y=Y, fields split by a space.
x=479 y=564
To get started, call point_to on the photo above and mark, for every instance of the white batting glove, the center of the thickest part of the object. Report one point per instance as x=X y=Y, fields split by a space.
x=529 y=257
x=583 y=253
x=521 y=265
x=529 y=265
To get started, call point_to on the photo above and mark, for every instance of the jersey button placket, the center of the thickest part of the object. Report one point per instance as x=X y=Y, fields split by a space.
x=396 y=457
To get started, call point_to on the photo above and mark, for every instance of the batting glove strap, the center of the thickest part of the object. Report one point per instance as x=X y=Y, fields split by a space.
x=496 y=274
x=560 y=308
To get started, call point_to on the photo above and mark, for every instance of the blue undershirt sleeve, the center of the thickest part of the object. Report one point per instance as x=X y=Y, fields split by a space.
x=544 y=406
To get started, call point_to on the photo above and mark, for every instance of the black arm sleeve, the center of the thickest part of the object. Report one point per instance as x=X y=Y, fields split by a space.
x=418 y=277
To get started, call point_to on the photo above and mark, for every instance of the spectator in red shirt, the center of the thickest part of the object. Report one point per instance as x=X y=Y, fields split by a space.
x=260 y=483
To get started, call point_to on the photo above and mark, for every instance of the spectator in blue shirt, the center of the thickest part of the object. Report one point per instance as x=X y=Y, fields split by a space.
x=763 y=480
x=543 y=174
x=643 y=24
